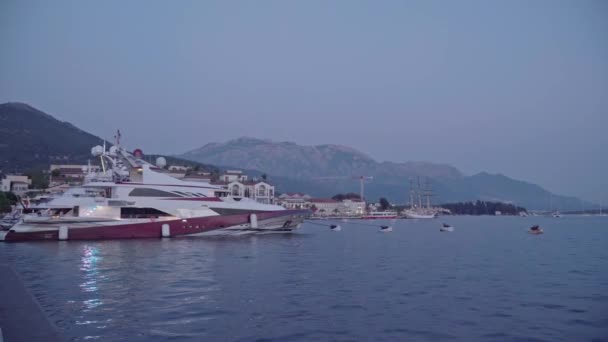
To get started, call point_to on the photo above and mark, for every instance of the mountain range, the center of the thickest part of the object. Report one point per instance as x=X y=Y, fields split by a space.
x=325 y=170
x=30 y=138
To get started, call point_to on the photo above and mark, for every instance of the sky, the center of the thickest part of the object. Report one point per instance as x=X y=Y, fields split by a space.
x=512 y=87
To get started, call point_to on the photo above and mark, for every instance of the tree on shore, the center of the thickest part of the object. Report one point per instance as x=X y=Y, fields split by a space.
x=349 y=196
x=483 y=208
x=384 y=204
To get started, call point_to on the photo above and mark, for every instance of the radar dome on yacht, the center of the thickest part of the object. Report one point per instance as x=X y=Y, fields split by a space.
x=113 y=150
x=161 y=162
x=97 y=151
x=138 y=153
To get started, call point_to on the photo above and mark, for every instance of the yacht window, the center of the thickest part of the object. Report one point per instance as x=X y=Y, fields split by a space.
x=148 y=192
x=132 y=212
x=182 y=193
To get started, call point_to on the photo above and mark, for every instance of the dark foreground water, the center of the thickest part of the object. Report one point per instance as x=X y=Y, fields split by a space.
x=488 y=280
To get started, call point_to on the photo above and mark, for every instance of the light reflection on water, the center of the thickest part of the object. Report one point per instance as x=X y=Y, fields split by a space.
x=487 y=280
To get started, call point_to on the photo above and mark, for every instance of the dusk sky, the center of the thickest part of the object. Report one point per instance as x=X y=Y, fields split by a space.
x=512 y=87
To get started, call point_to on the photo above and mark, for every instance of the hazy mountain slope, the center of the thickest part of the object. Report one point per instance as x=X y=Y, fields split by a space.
x=30 y=138
x=323 y=161
x=325 y=170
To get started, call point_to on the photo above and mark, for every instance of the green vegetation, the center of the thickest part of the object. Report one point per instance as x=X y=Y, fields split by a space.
x=483 y=208
x=6 y=200
x=384 y=204
x=350 y=196
x=39 y=179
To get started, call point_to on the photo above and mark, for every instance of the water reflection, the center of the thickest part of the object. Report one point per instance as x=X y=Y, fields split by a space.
x=90 y=267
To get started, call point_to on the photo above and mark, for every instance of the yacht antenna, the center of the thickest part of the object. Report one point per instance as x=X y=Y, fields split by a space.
x=117 y=137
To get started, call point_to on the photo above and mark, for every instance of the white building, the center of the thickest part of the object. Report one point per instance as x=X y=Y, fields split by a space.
x=233 y=176
x=70 y=173
x=257 y=190
x=325 y=206
x=352 y=207
x=16 y=184
x=294 y=200
x=178 y=168
x=199 y=177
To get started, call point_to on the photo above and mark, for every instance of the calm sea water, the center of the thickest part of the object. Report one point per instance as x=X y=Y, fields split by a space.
x=488 y=280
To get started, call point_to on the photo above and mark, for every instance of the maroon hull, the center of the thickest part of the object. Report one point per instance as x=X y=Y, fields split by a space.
x=154 y=229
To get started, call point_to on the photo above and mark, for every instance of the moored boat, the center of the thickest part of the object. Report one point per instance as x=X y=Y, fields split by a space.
x=446 y=228
x=535 y=230
x=380 y=215
x=386 y=229
x=418 y=214
x=153 y=205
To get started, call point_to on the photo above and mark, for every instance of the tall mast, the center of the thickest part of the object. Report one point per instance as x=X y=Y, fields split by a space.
x=411 y=193
x=419 y=194
x=427 y=193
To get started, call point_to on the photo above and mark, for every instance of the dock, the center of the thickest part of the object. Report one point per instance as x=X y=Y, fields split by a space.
x=21 y=317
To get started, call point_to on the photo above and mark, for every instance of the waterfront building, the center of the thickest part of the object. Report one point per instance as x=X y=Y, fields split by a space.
x=70 y=173
x=16 y=184
x=233 y=176
x=178 y=168
x=294 y=200
x=260 y=191
x=325 y=206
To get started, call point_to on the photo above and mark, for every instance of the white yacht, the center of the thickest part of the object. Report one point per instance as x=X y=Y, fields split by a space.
x=130 y=198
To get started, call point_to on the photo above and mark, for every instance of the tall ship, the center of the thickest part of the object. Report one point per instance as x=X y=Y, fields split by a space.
x=131 y=198
x=417 y=209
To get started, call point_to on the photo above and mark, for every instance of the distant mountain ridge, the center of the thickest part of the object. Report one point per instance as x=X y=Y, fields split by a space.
x=291 y=160
x=324 y=170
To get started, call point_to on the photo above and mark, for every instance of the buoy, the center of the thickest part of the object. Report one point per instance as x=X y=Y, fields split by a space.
x=335 y=227
x=165 y=230
x=253 y=220
x=63 y=233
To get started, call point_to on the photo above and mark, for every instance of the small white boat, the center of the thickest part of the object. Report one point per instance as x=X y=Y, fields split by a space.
x=386 y=229
x=536 y=230
x=335 y=227
x=446 y=228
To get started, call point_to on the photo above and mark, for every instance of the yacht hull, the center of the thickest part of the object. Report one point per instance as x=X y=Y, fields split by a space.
x=282 y=220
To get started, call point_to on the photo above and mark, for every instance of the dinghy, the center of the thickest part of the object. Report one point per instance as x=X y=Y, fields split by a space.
x=446 y=228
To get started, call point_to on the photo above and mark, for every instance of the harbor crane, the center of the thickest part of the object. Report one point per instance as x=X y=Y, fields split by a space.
x=362 y=180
